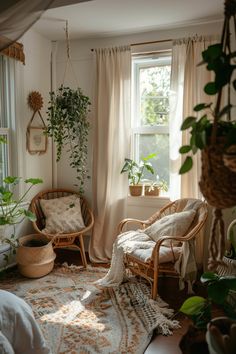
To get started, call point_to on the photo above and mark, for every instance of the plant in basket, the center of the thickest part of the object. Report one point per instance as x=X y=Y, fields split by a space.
x=213 y=131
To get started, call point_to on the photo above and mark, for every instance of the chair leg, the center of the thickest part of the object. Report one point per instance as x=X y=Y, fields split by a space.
x=82 y=251
x=155 y=284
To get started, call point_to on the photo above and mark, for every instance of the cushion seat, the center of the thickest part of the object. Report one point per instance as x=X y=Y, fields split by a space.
x=165 y=254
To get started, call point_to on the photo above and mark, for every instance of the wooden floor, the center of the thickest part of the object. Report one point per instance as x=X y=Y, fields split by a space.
x=169 y=292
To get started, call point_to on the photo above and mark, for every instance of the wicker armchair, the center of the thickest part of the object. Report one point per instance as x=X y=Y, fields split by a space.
x=150 y=270
x=66 y=240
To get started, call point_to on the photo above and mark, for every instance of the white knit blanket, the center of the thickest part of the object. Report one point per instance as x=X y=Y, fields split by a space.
x=126 y=242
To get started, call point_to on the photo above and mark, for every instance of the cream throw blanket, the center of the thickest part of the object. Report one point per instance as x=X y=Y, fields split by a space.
x=131 y=240
x=126 y=242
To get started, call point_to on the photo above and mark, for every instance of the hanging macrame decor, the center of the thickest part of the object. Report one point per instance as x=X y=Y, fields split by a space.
x=36 y=139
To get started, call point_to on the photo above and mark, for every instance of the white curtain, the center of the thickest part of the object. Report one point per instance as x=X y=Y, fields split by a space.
x=187 y=83
x=111 y=146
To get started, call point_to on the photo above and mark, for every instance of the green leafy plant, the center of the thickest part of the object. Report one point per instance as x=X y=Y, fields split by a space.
x=206 y=127
x=69 y=127
x=11 y=210
x=136 y=170
x=199 y=309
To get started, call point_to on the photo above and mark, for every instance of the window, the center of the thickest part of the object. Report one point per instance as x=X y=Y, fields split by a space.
x=150 y=111
x=7 y=113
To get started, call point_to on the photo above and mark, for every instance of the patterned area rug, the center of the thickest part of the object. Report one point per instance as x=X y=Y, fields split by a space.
x=76 y=316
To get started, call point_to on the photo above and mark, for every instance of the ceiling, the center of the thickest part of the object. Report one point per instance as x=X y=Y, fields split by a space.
x=101 y=18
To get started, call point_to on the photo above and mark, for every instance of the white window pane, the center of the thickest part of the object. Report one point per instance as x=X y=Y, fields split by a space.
x=154 y=94
x=154 y=143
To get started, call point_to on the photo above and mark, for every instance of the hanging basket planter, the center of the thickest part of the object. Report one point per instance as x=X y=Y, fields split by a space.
x=217 y=183
x=229 y=158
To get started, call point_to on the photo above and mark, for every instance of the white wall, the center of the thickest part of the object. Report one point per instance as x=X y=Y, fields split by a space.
x=36 y=77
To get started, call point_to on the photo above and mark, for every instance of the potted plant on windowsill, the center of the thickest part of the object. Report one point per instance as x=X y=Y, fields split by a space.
x=136 y=172
x=214 y=133
x=153 y=188
x=201 y=310
x=69 y=127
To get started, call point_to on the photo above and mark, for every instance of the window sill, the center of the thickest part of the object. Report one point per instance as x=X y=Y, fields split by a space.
x=148 y=201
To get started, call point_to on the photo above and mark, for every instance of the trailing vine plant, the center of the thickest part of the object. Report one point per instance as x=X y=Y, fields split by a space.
x=69 y=127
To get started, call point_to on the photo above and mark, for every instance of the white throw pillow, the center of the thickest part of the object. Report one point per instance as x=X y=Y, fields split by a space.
x=176 y=224
x=63 y=215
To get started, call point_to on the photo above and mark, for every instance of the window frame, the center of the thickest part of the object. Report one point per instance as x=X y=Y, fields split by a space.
x=136 y=128
x=8 y=113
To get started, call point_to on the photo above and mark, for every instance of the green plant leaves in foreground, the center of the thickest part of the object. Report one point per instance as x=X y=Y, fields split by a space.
x=193 y=305
x=187 y=165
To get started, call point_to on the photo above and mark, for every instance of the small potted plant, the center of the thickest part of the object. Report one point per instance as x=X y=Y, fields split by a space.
x=136 y=172
x=200 y=310
x=153 y=188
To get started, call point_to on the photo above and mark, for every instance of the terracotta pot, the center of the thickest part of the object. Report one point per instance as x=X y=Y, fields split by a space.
x=35 y=256
x=154 y=192
x=136 y=190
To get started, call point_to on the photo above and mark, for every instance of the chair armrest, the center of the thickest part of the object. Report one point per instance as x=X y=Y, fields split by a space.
x=155 y=252
x=121 y=225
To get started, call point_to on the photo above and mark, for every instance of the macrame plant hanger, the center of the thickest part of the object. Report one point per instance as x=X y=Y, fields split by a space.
x=68 y=61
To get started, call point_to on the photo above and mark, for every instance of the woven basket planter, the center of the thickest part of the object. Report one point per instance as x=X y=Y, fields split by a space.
x=136 y=190
x=154 y=192
x=229 y=158
x=35 y=256
x=217 y=183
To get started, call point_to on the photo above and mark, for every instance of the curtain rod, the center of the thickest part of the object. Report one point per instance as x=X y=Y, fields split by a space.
x=142 y=43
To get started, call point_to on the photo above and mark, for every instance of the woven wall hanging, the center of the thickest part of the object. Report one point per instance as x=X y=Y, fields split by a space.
x=36 y=139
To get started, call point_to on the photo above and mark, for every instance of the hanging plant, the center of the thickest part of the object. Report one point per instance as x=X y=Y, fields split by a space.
x=69 y=127
x=214 y=133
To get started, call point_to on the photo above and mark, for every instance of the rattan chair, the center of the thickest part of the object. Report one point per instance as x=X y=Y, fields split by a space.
x=150 y=270
x=66 y=240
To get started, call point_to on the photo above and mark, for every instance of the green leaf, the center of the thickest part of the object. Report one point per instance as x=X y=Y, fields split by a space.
x=150 y=156
x=11 y=180
x=188 y=122
x=193 y=305
x=210 y=88
x=184 y=149
x=31 y=216
x=209 y=276
x=34 y=181
x=217 y=291
x=212 y=52
x=187 y=165
x=199 y=141
x=201 y=106
x=224 y=110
